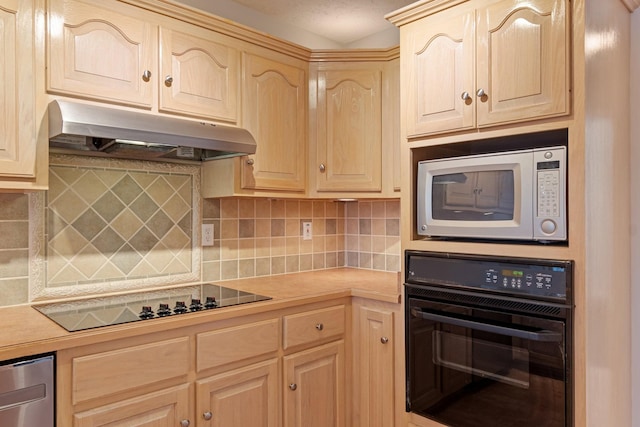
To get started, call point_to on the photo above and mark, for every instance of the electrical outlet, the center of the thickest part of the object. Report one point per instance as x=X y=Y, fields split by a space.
x=306 y=231
x=207 y=234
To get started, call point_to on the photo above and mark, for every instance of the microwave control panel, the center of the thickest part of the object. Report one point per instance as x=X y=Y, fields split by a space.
x=550 y=193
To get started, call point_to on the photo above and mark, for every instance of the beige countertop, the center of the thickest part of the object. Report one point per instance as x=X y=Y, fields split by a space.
x=25 y=331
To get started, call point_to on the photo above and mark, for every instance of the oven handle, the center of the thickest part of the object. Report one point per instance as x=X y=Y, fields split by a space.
x=542 y=335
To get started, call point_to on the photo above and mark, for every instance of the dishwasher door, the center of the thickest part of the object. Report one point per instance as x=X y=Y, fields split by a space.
x=27 y=392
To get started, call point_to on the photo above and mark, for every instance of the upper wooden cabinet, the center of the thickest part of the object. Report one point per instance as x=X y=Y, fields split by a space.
x=477 y=65
x=274 y=106
x=113 y=52
x=198 y=76
x=17 y=114
x=349 y=128
x=101 y=52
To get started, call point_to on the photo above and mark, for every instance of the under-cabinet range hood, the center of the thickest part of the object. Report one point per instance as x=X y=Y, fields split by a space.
x=110 y=132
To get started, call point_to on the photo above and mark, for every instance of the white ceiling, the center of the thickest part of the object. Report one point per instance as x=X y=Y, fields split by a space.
x=316 y=24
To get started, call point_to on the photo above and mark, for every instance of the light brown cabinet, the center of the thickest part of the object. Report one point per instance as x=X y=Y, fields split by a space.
x=247 y=396
x=111 y=52
x=274 y=110
x=348 y=152
x=314 y=387
x=478 y=65
x=17 y=87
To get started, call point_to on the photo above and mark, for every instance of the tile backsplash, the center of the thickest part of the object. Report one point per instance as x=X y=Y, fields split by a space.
x=109 y=225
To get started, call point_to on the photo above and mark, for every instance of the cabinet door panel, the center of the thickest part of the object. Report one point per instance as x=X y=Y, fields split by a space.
x=349 y=130
x=522 y=60
x=17 y=141
x=314 y=387
x=99 y=53
x=274 y=111
x=376 y=368
x=244 y=397
x=204 y=76
x=160 y=409
x=439 y=59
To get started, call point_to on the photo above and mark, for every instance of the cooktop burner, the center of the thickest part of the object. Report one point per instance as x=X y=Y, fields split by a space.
x=114 y=310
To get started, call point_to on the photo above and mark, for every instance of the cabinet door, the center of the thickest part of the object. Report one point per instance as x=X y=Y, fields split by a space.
x=17 y=124
x=168 y=407
x=243 y=397
x=274 y=111
x=438 y=65
x=376 y=367
x=522 y=61
x=349 y=135
x=103 y=53
x=198 y=75
x=314 y=387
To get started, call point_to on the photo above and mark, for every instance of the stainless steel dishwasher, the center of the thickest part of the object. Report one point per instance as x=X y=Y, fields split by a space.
x=27 y=392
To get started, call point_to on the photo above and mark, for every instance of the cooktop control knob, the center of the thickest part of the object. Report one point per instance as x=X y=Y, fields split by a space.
x=146 y=313
x=180 y=307
x=196 y=305
x=164 y=310
x=210 y=303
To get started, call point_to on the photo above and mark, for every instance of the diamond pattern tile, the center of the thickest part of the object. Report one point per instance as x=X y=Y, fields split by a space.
x=117 y=224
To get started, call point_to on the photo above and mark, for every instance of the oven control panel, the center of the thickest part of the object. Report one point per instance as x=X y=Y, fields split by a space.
x=515 y=276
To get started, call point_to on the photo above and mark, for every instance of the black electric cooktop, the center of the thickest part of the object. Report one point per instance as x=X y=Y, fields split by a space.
x=114 y=310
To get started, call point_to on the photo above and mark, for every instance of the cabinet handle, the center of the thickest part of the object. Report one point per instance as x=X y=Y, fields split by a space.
x=169 y=80
x=207 y=416
x=250 y=162
x=319 y=326
x=481 y=93
x=322 y=167
x=185 y=423
x=293 y=386
x=384 y=340
x=465 y=96
x=146 y=76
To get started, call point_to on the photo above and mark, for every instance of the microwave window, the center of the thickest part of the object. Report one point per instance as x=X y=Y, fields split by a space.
x=473 y=196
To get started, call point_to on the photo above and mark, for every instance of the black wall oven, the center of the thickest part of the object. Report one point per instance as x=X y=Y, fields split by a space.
x=488 y=340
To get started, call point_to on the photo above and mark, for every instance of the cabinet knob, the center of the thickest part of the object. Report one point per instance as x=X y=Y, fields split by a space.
x=384 y=340
x=250 y=162
x=146 y=76
x=465 y=96
x=168 y=81
x=319 y=326
x=185 y=423
x=481 y=93
x=207 y=416
x=293 y=386
x=322 y=167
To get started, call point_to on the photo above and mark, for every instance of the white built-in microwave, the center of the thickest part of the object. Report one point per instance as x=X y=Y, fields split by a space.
x=513 y=195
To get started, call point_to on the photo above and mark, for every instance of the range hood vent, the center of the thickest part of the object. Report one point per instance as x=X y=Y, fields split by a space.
x=110 y=132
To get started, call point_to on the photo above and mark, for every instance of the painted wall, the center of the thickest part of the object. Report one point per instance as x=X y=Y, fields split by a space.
x=635 y=212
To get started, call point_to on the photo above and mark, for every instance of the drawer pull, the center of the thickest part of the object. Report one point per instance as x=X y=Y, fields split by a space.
x=384 y=340
x=293 y=386
x=319 y=326
x=185 y=423
x=207 y=416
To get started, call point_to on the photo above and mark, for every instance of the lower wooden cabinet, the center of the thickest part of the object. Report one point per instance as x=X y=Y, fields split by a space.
x=314 y=387
x=169 y=407
x=294 y=367
x=246 y=396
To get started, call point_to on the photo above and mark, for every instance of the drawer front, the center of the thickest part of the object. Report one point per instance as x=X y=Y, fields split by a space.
x=228 y=345
x=312 y=326
x=111 y=372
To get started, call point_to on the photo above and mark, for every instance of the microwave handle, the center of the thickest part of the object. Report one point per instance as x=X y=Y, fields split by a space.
x=542 y=335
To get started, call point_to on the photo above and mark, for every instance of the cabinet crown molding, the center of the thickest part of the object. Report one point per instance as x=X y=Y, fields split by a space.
x=631 y=4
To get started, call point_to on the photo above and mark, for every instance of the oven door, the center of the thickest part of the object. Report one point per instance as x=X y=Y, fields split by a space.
x=470 y=367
